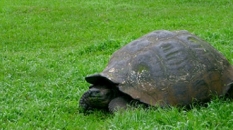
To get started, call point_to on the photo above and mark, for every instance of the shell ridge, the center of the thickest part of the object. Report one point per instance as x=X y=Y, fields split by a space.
x=168 y=68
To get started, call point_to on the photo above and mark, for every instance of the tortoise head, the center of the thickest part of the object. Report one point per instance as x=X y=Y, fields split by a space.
x=98 y=96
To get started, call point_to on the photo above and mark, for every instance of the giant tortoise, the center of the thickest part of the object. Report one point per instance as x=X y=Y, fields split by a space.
x=162 y=68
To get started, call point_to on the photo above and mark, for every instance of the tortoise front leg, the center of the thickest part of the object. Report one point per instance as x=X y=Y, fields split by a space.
x=118 y=103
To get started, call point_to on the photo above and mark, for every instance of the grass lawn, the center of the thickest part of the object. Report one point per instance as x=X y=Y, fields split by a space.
x=49 y=46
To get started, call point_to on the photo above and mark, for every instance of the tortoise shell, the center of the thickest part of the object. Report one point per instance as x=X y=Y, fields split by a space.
x=167 y=68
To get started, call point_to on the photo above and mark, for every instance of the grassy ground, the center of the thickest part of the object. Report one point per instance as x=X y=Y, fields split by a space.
x=49 y=46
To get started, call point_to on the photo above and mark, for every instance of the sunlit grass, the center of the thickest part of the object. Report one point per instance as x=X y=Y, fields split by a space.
x=48 y=47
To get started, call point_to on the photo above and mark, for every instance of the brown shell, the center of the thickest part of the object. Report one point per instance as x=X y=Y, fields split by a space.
x=168 y=68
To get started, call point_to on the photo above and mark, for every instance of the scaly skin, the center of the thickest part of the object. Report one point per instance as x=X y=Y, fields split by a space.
x=96 y=97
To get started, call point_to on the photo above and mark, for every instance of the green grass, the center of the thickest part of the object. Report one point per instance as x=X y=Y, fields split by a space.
x=49 y=46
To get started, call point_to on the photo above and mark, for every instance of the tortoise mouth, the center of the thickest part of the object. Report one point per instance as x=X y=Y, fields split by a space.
x=101 y=92
x=99 y=98
x=99 y=102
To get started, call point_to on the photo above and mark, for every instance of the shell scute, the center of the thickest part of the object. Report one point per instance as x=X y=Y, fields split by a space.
x=168 y=68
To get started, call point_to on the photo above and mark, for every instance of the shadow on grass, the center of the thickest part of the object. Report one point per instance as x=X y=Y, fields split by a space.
x=215 y=102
